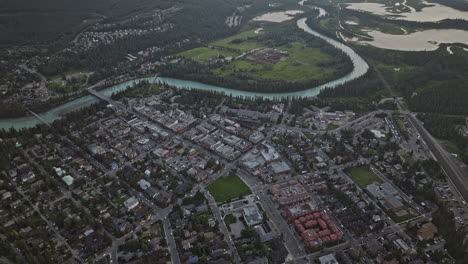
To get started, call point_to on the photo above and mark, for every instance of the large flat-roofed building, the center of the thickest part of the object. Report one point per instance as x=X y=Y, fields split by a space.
x=288 y=192
x=393 y=203
x=388 y=189
x=375 y=191
x=300 y=209
x=280 y=167
x=269 y=153
x=252 y=215
x=328 y=259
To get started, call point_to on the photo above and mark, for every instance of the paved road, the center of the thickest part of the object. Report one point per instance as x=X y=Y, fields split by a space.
x=43 y=86
x=171 y=244
x=222 y=226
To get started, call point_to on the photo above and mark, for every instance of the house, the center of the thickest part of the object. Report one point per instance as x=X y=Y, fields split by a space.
x=96 y=149
x=151 y=192
x=131 y=203
x=6 y=195
x=401 y=245
x=68 y=180
x=144 y=184
x=28 y=177
x=427 y=231
x=192 y=259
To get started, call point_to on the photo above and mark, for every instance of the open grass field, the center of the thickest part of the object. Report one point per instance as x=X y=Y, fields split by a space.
x=394 y=73
x=332 y=126
x=228 y=188
x=240 y=41
x=362 y=176
x=303 y=63
x=202 y=54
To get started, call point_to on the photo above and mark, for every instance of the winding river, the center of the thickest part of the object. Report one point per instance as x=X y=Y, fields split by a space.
x=359 y=69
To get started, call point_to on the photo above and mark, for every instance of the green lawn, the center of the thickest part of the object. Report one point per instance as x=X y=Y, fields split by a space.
x=362 y=175
x=302 y=64
x=332 y=126
x=397 y=218
x=228 y=188
x=308 y=135
x=55 y=86
x=240 y=41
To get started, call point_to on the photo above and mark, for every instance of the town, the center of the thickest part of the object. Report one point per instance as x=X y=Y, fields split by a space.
x=177 y=176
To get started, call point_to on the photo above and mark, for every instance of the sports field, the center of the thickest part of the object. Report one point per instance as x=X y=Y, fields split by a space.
x=362 y=176
x=228 y=188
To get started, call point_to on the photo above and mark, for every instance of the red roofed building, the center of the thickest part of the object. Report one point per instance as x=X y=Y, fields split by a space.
x=309 y=235
x=288 y=192
x=325 y=239
x=311 y=224
x=323 y=233
x=322 y=224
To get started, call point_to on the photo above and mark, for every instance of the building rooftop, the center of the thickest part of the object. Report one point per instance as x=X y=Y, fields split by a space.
x=387 y=188
x=280 y=167
x=374 y=190
x=328 y=259
x=68 y=180
x=252 y=215
x=289 y=192
x=393 y=201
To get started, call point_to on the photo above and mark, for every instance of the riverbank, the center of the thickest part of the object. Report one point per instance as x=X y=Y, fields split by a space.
x=360 y=67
